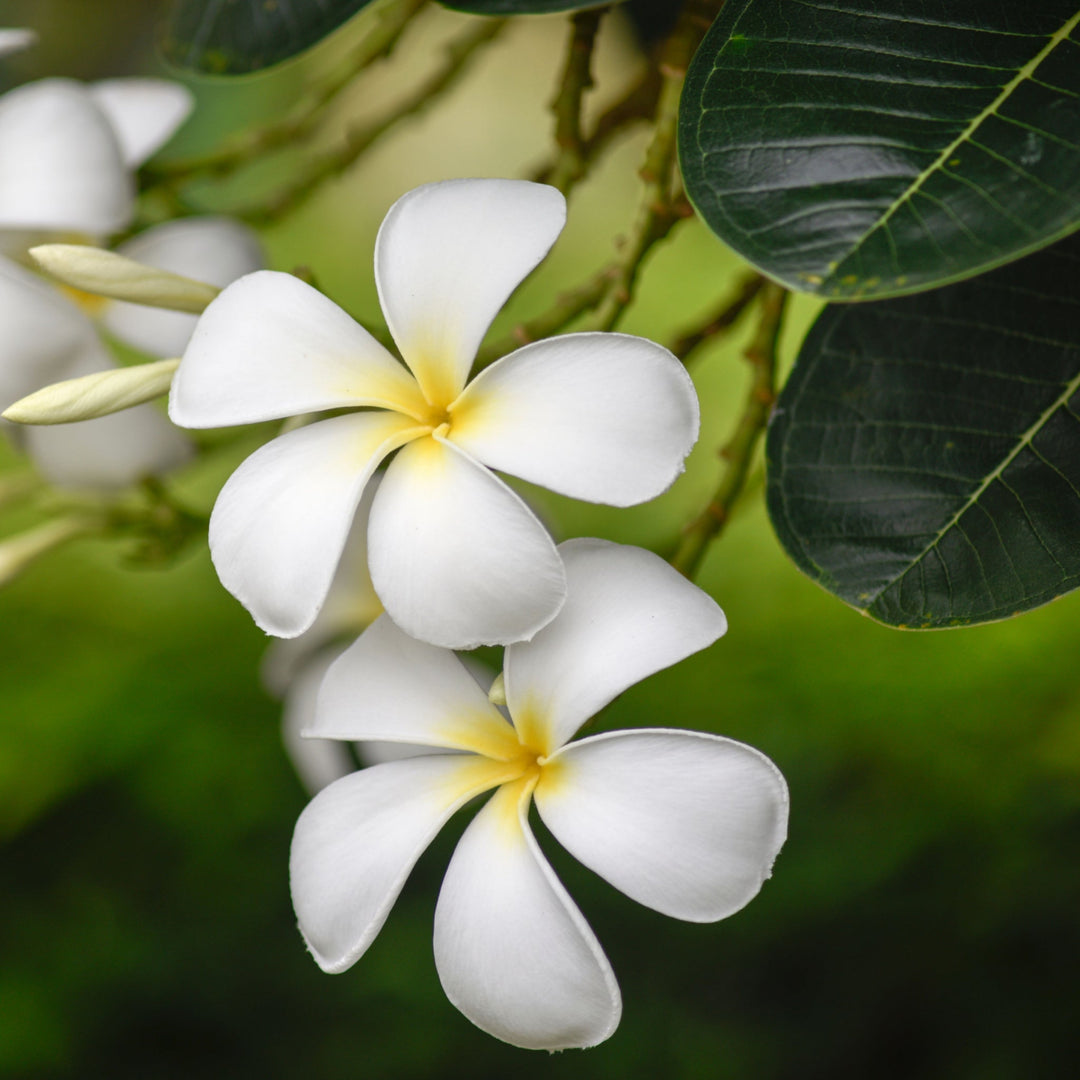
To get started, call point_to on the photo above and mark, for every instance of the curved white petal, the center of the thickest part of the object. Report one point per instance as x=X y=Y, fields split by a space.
x=272 y=346
x=318 y=762
x=604 y=417
x=350 y=606
x=110 y=452
x=358 y=839
x=62 y=165
x=144 y=113
x=513 y=952
x=627 y=614
x=42 y=333
x=15 y=39
x=447 y=256
x=281 y=520
x=390 y=686
x=216 y=250
x=686 y=823
x=455 y=556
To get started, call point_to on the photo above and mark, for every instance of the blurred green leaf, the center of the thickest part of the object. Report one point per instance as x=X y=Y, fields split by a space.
x=924 y=459
x=521 y=7
x=233 y=37
x=869 y=148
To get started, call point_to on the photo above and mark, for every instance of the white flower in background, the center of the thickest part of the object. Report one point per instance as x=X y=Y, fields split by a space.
x=46 y=336
x=15 y=39
x=69 y=152
x=684 y=822
x=455 y=556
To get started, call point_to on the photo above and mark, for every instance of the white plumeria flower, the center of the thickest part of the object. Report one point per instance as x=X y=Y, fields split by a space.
x=684 y=822
x=15 y=39
x=456 y=557
x=48 y=334
x=70 y=150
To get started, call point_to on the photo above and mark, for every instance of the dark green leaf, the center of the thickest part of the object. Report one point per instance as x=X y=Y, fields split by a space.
x=868 y=148
x=232 y=37
x=924 y=457
x=521 y=7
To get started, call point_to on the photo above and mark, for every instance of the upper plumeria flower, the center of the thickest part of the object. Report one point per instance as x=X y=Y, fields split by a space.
x=684 y=822
x=15 y=39
x=455 y=556
x=49 y=335
x=70 y=150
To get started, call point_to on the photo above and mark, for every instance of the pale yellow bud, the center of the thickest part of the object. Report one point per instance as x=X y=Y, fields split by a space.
x=497 y=693
x=18 y=552
x=105 y=273
x=94 y=395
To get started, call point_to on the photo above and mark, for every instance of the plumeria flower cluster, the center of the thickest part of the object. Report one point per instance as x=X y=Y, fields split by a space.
x=69 y=151
x=456 y=557
x=684 y=822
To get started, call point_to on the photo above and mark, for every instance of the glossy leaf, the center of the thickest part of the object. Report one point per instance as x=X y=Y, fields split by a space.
x=869 y=148
x=521 y=7
x=924 y=456
x=232 y=37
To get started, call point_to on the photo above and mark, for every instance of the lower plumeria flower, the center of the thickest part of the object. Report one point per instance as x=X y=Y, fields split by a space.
x=684 y=822
x=456 y=557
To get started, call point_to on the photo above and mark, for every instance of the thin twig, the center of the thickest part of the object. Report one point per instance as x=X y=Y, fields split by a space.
x=576 y=78
x=329 y=165
x=739 y=451
x=721 y=320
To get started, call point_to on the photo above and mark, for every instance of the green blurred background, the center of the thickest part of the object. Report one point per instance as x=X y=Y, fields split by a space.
x=922 y=920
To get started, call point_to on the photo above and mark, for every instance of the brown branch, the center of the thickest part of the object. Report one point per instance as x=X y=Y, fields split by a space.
x=721 y=320
x=738 y=453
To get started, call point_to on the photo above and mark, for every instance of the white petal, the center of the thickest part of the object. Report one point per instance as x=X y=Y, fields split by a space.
x=281 y=520
x=62 y=165
x=686 y=823
x=15 y=39
x=350 y=607
x=389 y=686
x=42 y=334
x=455 y=556
x=627 y=615
x=358 y=839
x=604 y=417
x=513 y=952
x=318 y=762
x=447 y=257
x=144 y=113
x=110 y=452
x=215 y=250
x=272 y=346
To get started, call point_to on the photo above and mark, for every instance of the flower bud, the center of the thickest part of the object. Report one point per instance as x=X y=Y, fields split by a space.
x=497 y=693
x=105 y=273
x=94 y=395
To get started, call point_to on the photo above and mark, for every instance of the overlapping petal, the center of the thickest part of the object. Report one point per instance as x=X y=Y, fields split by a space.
x=216 y=250
x=447 y=257
x=686 y=823
x=63 y=165
x=108 y=453
x=456 y=557
x=144 y=113
x=357 y=840
x=281 y=520
x=604 y=417
x=513 y=952
x=271 y=346
x=390 y=686
x=42 y=333
x=628 y=615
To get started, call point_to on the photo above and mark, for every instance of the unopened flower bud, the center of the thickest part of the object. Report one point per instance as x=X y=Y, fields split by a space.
x=105 y=273
x=94 y=395
x=497 y=693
